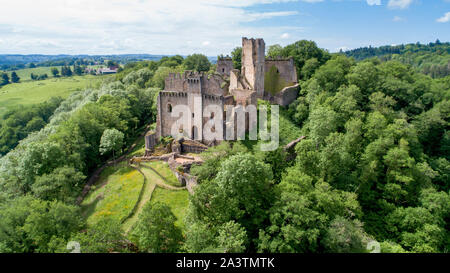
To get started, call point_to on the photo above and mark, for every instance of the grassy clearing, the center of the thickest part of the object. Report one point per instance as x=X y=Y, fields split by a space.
x=163 y=169
x=32 y=92
x=114 y=195
x=176 y=200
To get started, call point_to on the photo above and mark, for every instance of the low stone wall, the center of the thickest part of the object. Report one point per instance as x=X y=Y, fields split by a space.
x=287 y=95
x=183 y=176
x=186 y=180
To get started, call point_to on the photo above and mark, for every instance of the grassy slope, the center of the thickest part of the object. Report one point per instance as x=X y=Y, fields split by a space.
x=153 y=184
x=114 y=195
x=163 y=169
x=176 y=200
x=27 y=93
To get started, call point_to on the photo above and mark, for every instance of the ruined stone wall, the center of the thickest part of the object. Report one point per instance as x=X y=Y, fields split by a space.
x=287 y=95
x=224 y=66
x=212 y=85
x=253 y=62
x=285 y=67
x=244 y=97
x=150 y=142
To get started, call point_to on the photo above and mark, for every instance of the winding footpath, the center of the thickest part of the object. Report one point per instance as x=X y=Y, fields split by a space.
x=152 y=180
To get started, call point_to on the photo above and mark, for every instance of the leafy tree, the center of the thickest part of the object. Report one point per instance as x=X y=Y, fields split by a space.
x=77 y=70
x=105 y=236
x=344 y=236
x=63 y=184
x=111 y=141
x=303 y=50
x=5 y=79
x=32 y=225
x=302 y=215
x=236 y=56
x=232 y=238
x=14 y=77
x=275 y=51
x=309 y=68
x=197 y=62
x=55 y=72
x=155 y=230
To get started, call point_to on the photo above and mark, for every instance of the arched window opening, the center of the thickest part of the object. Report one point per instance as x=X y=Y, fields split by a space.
x=169 y=108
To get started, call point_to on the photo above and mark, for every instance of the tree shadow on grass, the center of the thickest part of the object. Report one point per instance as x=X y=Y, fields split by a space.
x=88 y=209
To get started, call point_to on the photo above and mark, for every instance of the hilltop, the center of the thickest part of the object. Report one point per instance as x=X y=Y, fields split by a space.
x=432 y=59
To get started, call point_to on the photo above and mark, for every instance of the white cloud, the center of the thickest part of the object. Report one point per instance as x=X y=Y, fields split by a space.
x=399 y=4
x=343 y=48
x=144 y=26
x=285 y=36
x=445 y=18
x=374 y=2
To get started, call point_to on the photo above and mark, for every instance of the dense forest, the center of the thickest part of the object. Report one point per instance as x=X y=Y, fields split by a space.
x=374 y=166
x=432 y=59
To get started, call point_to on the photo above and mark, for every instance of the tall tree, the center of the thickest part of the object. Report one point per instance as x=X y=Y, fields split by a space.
x=14 y=77
x=236 y=56
x=111 y=141
x=155 y=230
x=5 y=79
x=197 y=62
x=55 y=72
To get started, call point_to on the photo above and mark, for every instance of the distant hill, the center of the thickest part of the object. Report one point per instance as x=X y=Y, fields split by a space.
x=432 y=59
x=17 y=61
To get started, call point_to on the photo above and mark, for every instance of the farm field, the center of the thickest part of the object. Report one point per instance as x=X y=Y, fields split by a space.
x=24 y=74
x=32 y=92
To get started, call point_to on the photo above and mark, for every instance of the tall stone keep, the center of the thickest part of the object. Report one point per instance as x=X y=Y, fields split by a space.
x=253 y=62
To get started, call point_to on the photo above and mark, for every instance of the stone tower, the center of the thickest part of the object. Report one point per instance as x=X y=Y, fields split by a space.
x=253 y=61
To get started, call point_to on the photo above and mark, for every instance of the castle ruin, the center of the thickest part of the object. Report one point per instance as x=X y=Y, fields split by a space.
x=228 y=86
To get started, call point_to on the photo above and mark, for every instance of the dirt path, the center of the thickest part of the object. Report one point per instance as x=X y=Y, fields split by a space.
x=149 y=187
x=153 y=179
x=162 y=180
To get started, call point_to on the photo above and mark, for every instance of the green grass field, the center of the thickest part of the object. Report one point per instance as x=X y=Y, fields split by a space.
x=32 y=92
x=163 y=169
x=114 y=195
x=177 y=201
x=24 y=74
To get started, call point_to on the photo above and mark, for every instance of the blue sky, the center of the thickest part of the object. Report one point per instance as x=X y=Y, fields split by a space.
x=213 y=27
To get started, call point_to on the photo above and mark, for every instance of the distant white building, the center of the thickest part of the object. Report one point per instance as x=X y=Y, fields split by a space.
x=103 y=71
